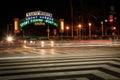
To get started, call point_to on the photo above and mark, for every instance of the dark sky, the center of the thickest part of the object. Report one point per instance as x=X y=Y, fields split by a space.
x=59 y=8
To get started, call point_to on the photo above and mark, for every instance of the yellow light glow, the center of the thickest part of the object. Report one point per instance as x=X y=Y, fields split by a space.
x=16 y=29
x=62 y=25
x=89 y=24
x=16 y=25
x=79 y=25
x=67 y=27
x=39 y=23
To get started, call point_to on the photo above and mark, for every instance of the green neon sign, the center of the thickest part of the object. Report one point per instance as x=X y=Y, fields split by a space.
x=51 y=22
x=38 y=20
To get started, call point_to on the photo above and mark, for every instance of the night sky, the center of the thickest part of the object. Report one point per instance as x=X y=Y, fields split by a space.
x=59 y=9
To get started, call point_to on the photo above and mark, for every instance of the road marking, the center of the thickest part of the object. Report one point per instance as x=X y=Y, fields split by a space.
x=95 y=72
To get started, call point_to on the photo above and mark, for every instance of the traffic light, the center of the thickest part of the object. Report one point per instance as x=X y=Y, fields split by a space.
x=111 y=20
x=106 y=20
x=114 y=28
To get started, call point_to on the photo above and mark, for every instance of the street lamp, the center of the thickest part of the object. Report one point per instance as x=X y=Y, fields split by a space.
x=102 y=28
x=79 y=26
x=9 y=29
x=23 y=33
x=67 y=28
x=71 y=7
x=89 y=29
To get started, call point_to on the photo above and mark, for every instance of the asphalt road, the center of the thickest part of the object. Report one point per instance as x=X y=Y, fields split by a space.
x=77 y=63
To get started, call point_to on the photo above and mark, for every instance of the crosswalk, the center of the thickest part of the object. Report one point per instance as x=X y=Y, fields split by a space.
x=61 y=65
x=53 y=52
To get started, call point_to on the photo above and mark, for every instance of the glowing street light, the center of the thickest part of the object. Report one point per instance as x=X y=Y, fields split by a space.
x=67 y=28
x=89 y=29
x=79 y=26
x=102 y=28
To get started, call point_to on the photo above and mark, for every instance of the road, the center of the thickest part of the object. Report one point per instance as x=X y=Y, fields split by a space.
x=80 y=63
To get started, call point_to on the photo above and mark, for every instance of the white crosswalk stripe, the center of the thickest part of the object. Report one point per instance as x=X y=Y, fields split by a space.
x=66 y=60
x=74 y=79
x=95 y=72
x=61 y=64
x=25 y=52
x=63 y=68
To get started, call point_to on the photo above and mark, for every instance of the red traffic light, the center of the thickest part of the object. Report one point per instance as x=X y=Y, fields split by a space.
x=111 y=20
x=114 y=28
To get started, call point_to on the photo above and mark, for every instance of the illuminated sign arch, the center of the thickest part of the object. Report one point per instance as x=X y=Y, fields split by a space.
x=37 y=19
x=38 y=16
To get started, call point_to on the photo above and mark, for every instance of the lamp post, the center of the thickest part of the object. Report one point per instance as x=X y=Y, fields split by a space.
x=89 y=29
x=10 y=29
x=23 y=33
x=7 y=29
x=102 y=28
x=79 y=26
x=71 y=7
x=67 y=28
x=48 y=31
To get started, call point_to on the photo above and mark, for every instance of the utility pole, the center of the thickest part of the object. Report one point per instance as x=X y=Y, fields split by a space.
x=82 y=16
x=71 y=7
x=48 y=31
x=7 y=30
x=89 y=30
x=102 y=29
x=104 y=17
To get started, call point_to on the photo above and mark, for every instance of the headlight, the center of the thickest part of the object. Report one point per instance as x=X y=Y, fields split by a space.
x=42 y=44
x=52 y=43
x=9 y=38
